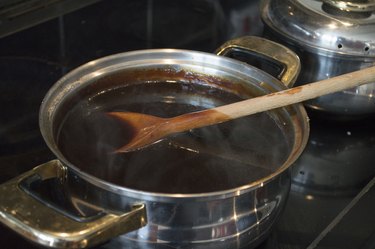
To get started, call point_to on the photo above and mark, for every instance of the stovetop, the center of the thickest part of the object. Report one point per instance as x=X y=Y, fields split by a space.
x=332 y=199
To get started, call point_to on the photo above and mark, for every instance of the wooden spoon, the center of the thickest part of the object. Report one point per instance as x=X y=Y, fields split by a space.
x=149 y=129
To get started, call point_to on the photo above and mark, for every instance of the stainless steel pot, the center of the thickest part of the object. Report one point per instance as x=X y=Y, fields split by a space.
x=331 y=38
x=225 y=218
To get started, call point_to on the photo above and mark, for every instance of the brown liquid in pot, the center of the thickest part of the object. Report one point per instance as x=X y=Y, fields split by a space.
x=208 y=159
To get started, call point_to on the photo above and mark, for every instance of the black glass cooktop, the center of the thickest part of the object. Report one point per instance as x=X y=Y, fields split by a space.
x=332 y=198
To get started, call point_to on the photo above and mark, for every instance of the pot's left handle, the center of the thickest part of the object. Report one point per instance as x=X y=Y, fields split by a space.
x=45 y=225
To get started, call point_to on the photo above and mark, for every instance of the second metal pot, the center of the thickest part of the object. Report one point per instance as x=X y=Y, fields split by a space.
x=331 y=38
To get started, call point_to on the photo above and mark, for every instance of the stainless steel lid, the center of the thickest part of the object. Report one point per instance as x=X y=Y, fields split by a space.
x=328 y=26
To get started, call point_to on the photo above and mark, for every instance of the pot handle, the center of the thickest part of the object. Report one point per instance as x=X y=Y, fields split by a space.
x=47 y=226
x=275 y=52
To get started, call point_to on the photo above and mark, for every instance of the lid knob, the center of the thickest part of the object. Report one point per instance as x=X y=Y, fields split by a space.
x=352 y=6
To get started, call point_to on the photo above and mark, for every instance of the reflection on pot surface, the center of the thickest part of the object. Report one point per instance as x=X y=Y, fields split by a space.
x=220 y=223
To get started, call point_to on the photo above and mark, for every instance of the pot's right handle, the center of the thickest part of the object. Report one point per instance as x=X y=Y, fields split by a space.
x=288 y=60
x=40 y=223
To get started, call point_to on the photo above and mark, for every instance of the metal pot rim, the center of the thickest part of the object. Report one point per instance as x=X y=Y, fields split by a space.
x=79 y=76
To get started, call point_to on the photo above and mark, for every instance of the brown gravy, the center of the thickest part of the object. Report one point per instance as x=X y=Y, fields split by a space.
x=208 y=159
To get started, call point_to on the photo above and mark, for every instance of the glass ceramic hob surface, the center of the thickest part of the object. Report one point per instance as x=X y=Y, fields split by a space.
x=332 y=198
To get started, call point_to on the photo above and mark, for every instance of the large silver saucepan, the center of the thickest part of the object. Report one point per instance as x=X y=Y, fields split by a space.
x=216 y=187
x=331 y=38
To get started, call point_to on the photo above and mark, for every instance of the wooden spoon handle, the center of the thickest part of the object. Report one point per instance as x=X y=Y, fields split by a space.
x=298 y=94
x=271 y=101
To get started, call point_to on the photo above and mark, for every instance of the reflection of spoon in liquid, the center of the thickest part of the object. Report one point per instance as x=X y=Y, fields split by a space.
x=148 y=129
